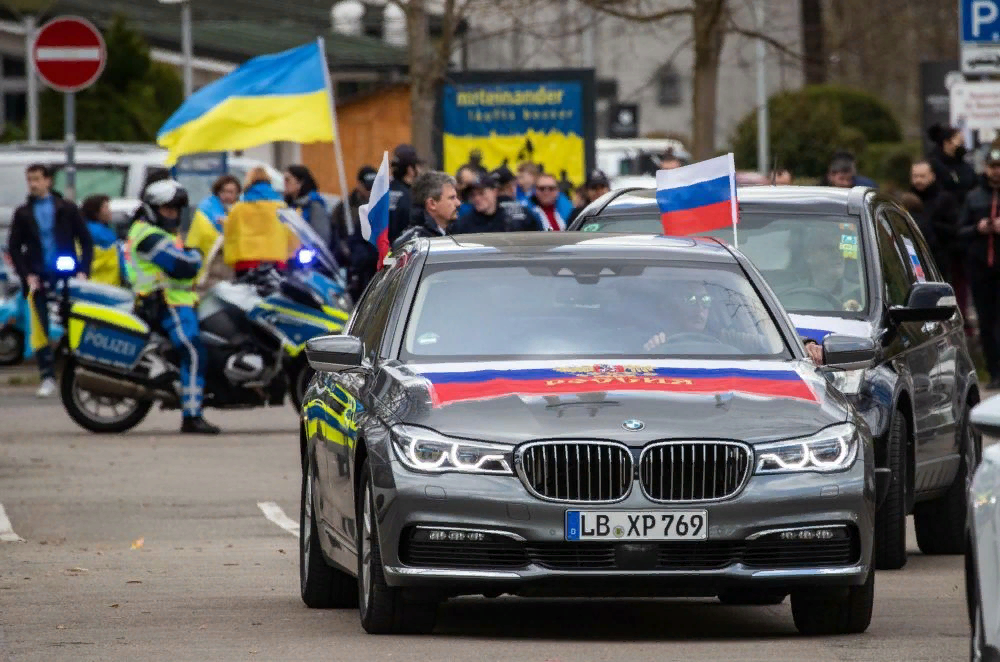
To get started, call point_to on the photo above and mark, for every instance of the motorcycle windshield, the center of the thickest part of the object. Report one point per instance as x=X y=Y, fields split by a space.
x=309 y=239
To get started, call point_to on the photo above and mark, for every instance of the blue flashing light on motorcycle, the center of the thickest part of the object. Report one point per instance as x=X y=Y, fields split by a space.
x=65 y=264
x=306 y=256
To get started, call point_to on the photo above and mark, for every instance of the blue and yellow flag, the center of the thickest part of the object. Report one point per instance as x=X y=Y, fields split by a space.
x=284 y=96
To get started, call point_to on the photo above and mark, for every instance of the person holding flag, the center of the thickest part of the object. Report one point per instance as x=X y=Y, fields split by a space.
x=374 y=214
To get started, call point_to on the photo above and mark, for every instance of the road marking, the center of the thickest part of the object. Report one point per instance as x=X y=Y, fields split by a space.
x=7 y=531
x=273 y=512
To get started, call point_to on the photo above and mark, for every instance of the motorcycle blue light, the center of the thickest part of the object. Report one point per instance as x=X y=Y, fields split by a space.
x=65 y=264
x=306 y=256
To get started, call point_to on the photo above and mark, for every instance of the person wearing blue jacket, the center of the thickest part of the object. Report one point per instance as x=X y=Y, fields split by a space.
x=551 y=207
x=302 y=195
x=108 y=263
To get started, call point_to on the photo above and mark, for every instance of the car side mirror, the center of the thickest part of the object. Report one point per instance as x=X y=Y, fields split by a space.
x=848 y=352
x=985 y=417
x=928 y=302
x=335 y=353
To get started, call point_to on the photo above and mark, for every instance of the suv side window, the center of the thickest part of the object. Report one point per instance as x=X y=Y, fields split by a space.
x=920 y=262
x=895 y=269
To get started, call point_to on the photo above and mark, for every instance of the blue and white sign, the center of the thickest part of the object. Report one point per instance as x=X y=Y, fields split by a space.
x=979 y=25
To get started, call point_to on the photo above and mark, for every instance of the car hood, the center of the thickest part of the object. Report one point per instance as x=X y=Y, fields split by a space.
x=817 y=327
x=513 y=402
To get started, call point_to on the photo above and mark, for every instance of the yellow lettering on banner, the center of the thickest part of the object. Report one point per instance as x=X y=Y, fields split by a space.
x=554 y=382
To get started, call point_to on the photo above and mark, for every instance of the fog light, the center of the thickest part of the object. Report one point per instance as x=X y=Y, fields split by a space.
x=451 y=535
x=814 y=533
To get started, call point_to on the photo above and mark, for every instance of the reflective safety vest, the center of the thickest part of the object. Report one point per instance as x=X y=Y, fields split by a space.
x=147 y=277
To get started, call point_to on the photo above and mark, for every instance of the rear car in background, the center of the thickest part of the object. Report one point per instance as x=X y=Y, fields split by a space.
x=852 y=261
x=529 y=414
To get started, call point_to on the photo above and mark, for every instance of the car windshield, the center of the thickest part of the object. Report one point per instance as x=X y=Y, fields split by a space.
x=582 y=308
x=812 y=261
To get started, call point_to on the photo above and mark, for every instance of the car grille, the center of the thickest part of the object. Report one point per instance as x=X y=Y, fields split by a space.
x=590 y=471
x=694 y=470
x=691 y=556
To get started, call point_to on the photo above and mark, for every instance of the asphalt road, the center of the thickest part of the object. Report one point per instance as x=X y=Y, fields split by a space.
x=152 y=546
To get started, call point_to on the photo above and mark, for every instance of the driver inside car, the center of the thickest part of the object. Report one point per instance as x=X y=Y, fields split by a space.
x=824 y=266
x=690 y=305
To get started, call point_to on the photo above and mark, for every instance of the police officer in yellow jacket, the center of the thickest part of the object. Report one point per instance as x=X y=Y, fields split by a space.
x=162 y=274
x=254 y=234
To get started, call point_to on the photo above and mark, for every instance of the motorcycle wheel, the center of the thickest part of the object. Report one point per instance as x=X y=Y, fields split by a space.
x=11 y=347
x=104 y=414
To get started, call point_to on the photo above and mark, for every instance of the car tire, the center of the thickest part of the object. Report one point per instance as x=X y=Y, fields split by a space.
x=835 y=611
x=11 y=346
x=322 y=585
x=384 y=609
x=746 y=598
x=940 y=523
x=890 y=519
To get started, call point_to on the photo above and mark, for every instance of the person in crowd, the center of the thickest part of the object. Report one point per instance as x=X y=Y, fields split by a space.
x=162 y=275
x=302 y=195
x=551 y=208
x=107 y=265
x=918 y=210
x=527 y=174
x=357 y=253
x=487 y=215
x=781 y=177
x=436 y=194
x=254 y=234
x=43 y=229
x=597 y=184
x=520 y=217
x=979 y=229
x=954 y=174
x=207 y=226
x=669 y=160
x=404 y=167
x=465 y=177
x=476 y=162
x=843 y=172
x=941 y=214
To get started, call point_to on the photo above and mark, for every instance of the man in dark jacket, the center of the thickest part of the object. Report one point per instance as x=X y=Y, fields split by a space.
x=486 y=215
x=43 y=230
x=356 y=253
x=979 y=228
x=436 y=193
x=597 y=184
x=521 y=218
x=940 y=212
x=405 y=167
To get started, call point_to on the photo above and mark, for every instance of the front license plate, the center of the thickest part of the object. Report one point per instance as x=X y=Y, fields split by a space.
x=636 y=525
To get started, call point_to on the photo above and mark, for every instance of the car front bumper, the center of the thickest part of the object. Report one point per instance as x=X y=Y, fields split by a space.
x=405 y=500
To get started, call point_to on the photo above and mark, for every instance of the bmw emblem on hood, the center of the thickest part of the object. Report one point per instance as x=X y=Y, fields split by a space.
x=633 y=425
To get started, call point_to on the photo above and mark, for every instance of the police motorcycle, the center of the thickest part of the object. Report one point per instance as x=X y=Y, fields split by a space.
x=253 y=330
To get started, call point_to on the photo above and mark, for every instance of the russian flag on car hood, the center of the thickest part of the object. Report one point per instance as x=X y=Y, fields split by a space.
x=697 y=198
x=375 y=213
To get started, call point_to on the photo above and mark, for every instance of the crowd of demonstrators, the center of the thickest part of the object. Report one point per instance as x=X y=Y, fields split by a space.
x=254 y=235
x=597 y=184
x=521 y=218
x=43 y=229
x=207 y=228
x=979 y=229
x=405 y=166
x=108 y=263
x=465 y=178
x=356 y=253
x=485 y=215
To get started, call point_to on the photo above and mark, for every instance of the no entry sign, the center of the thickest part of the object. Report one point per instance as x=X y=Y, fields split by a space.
x=69 y=53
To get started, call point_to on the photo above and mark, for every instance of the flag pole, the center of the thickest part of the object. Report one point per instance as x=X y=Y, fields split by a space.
x=337 y=153
x=732 y=197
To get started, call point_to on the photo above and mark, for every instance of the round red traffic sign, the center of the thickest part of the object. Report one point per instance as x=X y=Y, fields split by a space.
x=69 y=53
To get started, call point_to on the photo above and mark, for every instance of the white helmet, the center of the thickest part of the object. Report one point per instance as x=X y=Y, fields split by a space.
x=164 y=193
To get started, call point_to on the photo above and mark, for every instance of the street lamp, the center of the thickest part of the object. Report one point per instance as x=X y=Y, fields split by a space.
x=29 y=10
x=185 y=42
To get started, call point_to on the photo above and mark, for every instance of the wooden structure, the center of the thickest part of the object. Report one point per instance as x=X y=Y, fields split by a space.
x=369 y=125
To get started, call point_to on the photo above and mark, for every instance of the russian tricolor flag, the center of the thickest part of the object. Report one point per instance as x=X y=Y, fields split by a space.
x=375 y=213
x=698 y=198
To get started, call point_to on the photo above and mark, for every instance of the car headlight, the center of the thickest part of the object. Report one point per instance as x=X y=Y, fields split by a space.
x=421 y=449
x=832 y=449
x=847 y=382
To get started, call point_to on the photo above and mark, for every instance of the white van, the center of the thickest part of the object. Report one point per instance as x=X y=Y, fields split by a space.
x=117 y=170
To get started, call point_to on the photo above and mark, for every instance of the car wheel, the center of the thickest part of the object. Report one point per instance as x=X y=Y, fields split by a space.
x=323 y=586
x=384 y=610
x=11 y=346
x=940 y=523
x=743 y=597
x=890 y=519
x=835 y=611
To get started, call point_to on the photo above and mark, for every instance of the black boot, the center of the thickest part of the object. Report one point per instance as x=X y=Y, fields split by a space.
x=198 y=425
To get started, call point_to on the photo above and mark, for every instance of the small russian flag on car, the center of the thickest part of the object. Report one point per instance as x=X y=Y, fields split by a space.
x=698 y=198
x=375 y=213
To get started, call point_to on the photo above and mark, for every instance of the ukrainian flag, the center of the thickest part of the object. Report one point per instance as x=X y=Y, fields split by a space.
x=284 y=96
